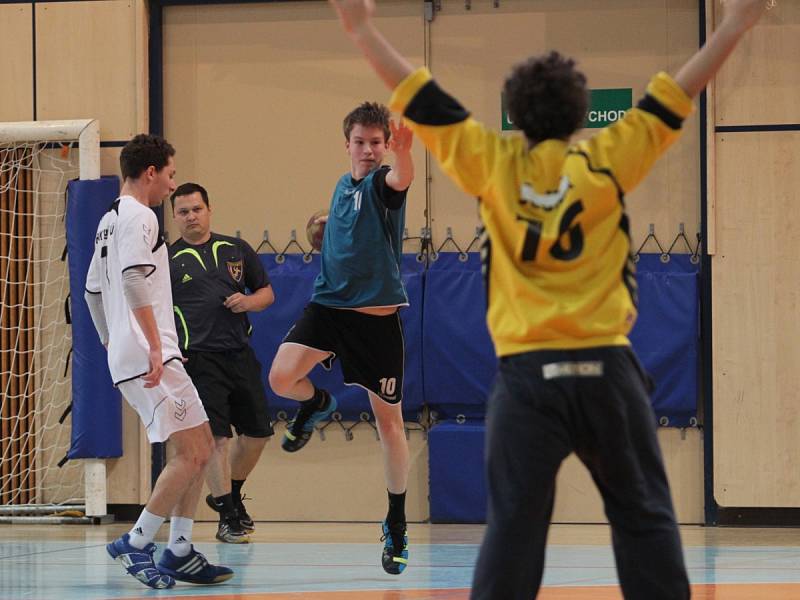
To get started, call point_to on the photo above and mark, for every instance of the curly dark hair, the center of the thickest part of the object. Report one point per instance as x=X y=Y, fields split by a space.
x=143 y=151
x=368 y=114
x=547 y=97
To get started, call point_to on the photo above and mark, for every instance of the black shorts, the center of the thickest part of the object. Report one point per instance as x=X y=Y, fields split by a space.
x=230 y=387
x=369 y=347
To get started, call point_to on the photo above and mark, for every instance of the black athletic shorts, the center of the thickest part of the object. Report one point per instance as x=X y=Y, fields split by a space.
x=230 y=387
x=369 y=347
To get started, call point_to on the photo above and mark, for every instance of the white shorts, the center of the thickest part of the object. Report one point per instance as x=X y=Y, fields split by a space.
x=173 y=405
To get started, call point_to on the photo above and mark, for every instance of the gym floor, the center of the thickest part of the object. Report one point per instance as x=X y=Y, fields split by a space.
x=341 y=561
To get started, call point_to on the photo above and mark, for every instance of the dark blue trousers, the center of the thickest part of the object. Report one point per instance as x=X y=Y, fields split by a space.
x=594 y=402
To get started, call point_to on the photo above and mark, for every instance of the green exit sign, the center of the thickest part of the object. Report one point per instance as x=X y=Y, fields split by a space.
x=605 y=107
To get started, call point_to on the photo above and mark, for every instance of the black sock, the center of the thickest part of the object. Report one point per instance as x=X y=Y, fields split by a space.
x=226 y=504
x=397 y=508
x=318 y=401
x=236 y=490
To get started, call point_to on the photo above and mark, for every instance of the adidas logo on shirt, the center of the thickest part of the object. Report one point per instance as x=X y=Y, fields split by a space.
x=186 y=278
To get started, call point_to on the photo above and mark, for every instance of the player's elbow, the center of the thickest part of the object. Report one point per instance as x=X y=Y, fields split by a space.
x=269 y=297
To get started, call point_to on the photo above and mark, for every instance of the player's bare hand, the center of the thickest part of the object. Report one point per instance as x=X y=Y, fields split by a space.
x=353 y=14
x=237 y=303
x=744 y=13
x=153 y=377
x=322 y=219
x=402 y=136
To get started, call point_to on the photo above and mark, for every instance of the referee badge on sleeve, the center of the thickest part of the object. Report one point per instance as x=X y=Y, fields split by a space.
x=235 y=269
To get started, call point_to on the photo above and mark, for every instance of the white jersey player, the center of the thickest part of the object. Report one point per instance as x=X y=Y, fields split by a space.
x=129 y=295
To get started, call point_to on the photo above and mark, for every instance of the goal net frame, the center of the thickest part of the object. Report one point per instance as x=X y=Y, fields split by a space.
x=87 y=134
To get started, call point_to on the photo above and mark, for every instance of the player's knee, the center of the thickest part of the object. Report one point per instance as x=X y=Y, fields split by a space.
x=201 y=456
x=281 y=380
x=199 y=452
x=391 y=429
x=221 y=444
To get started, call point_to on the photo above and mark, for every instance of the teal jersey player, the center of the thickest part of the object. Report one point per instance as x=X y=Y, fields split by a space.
x=353 y=316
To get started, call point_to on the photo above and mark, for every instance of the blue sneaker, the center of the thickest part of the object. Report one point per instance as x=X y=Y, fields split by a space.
x=139 y=563
x=395 y=549
x=192 y=568
x=300 y=429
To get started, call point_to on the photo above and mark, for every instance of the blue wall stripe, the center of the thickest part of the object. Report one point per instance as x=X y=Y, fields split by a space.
x=33 y=43
x=706 y=352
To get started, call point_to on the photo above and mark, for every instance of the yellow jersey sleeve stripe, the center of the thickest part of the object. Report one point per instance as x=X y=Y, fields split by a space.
x=408 y=88
x=670 y=95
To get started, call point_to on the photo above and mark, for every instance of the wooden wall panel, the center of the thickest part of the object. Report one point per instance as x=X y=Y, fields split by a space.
x=472 y=52
x=759 y=84
x=109 y=161
x=254 y=97
x=333 y=480
x=254 y=100
x=16 y=62
x=756 y=297
x=87 y=64
x=335 y=467
x=578 y=501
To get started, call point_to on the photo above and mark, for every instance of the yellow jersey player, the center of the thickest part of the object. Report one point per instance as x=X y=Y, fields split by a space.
x=561 y=298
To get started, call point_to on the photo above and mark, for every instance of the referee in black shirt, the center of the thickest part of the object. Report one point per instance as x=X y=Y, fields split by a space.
x=211 y=277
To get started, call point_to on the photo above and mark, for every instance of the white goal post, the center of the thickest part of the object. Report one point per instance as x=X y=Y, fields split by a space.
x=40 y=149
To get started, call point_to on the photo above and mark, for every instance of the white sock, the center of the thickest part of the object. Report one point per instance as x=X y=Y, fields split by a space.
x=145 y=529
x=180 y=535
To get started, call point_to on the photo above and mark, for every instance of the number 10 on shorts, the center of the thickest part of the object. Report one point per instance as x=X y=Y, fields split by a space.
x=388 y=385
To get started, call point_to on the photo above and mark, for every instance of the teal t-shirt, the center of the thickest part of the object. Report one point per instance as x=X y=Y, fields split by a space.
x=362 y=246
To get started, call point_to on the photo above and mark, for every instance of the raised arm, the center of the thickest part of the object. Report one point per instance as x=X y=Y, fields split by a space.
x=739 y=17
x=402 y=173
x=356 y=18
x=464 y=148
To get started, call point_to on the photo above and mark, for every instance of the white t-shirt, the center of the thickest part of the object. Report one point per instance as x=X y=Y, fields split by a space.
x=128 y=237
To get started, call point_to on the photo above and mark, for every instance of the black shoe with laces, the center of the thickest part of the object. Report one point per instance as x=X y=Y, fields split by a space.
x=245 y=521
x=231 y=531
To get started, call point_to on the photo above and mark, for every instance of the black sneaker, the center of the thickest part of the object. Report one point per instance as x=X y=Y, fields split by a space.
x=300 y=429
x=394 y=557
x=244 y=519
x=231 y=531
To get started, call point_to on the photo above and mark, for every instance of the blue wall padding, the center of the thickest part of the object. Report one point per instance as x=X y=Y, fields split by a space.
x=457 y=481
x=666 y=335
x=450 y=358
x=96 y=404
x=293 y=284
x=665 y=338
x=458 y=354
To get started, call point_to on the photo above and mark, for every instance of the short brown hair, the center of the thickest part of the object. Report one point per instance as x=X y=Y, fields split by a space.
x=187 y=189
x=368 y=114
x=143 y=151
